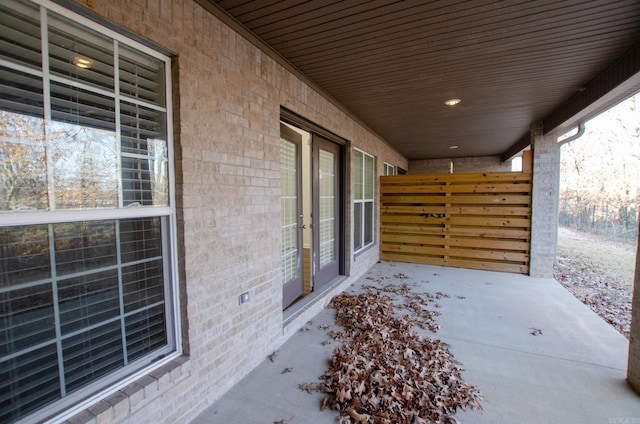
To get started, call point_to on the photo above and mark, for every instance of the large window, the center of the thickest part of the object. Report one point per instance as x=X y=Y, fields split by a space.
x=363 y=184
x=86 y=217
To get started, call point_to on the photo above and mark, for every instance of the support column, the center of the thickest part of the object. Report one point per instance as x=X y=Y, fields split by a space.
x=545 y=199
x=633 y=366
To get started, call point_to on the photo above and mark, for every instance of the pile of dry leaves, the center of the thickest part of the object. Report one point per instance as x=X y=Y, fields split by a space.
x=598 y=289
x=387 y=373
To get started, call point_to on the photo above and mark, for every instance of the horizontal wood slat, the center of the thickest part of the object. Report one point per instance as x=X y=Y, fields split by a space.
x=473 y=178
x=422 y=240
x=478 y=221
x=460 y=253
x=458 y=199
x=462 y=188
x=481 y=233
x=457 y=210
x=462 y=220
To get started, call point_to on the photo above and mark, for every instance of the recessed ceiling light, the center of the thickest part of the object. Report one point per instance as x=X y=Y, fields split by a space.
x=82 y=62
x=453 y=147
x=452 y=102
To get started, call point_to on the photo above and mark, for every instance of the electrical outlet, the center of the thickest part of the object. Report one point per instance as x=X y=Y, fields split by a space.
x=244 y=297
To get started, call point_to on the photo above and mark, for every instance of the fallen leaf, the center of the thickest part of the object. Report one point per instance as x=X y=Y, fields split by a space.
x=286 y=370
x=336 y=335
x=358 y=418
x=272 y=356
x=326 y=401
x=343 y=394
x=597 y=288
x=385 y=372
x=309 y=387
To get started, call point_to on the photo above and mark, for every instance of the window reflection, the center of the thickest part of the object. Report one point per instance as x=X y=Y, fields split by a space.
x=24 y=254
x=83 y=125
x=141 y=76
x=20 y=29
x=158 y=171
x=23 y=175
x=83 y=246
x=144 y=156
x=80 y=53
x=84 y=166
x=90 y=165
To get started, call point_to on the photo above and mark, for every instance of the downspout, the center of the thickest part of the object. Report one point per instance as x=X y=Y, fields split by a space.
x=580 y=133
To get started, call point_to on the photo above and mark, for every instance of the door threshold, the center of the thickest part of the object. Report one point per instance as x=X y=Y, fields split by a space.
x=298 y=307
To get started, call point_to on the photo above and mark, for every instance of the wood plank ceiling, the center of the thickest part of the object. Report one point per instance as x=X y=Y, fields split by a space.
x=394 y=63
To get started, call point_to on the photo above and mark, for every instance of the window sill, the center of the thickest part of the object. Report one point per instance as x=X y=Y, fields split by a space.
x=136 y=395
x=363 y=250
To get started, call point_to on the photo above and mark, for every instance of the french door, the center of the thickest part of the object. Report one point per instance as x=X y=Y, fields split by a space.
x=326 y=211
x=291 y=204
x=311 y=178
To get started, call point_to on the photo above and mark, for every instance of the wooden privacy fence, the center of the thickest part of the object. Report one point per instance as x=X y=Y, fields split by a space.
x=478 y=221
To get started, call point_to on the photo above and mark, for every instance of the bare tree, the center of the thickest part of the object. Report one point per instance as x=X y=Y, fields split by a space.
x=600 y=184
x=23 y=177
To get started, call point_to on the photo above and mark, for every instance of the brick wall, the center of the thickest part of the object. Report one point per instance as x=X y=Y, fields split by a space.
x=227 y=99
x=633 y=367
x=544 y=211
x=460 y=165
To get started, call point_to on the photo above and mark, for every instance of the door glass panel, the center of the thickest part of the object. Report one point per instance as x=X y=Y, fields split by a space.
x=327 y=207
x=289 y=201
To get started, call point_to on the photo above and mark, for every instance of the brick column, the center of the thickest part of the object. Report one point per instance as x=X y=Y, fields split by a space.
x=545 y=199
x=633 y=366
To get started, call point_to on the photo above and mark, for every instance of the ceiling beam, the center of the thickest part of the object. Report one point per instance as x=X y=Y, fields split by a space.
x=522 y=143
x=616 y=83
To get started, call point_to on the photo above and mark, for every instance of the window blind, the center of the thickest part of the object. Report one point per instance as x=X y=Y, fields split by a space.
x=87 y=301
x=363 y=187
x=89 y=271
x=20 y=33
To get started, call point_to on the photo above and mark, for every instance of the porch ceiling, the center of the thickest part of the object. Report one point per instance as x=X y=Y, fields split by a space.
x=512 y=63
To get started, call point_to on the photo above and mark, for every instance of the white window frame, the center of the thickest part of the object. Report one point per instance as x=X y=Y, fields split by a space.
x=363 y=244
x=389 y=170
x=111 y=383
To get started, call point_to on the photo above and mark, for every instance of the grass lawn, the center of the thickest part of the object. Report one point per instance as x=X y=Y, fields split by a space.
x=599 y=272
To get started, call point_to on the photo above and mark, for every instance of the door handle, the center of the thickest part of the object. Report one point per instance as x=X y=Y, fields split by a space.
x=303 y=226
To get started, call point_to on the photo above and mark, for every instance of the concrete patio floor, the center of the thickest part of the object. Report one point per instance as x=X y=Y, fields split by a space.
x=574 y=372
